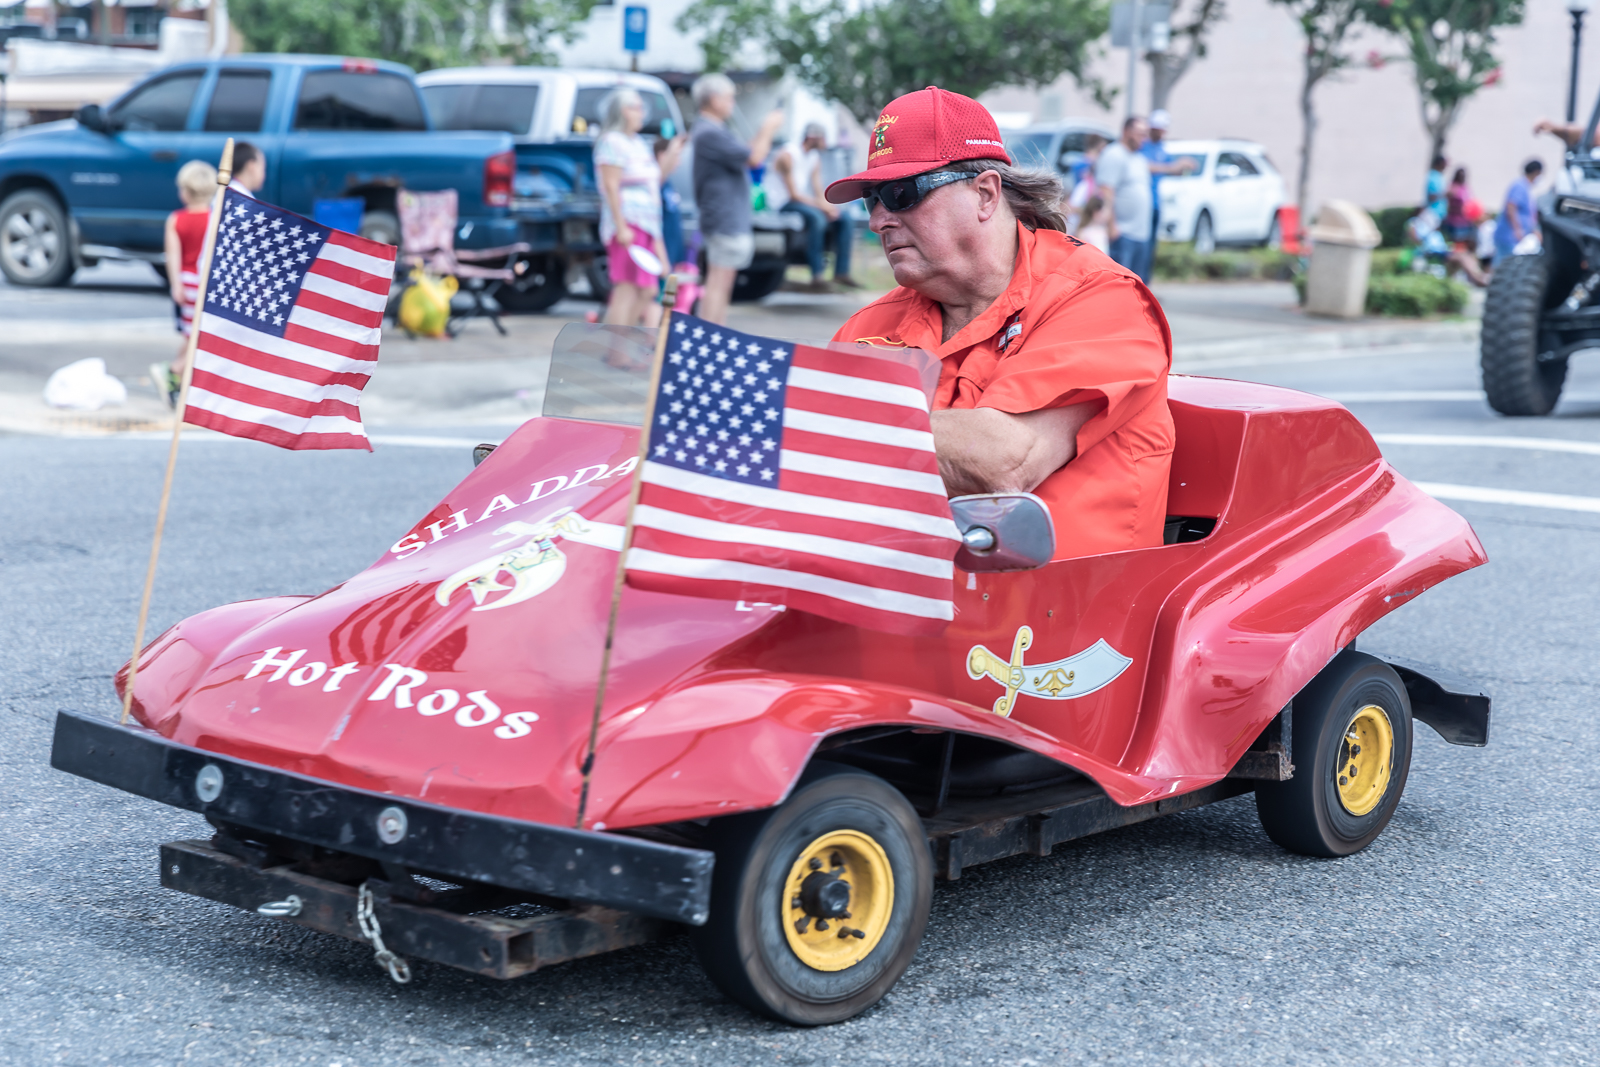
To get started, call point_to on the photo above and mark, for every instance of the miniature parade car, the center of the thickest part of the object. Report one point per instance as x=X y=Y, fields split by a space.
x=401 y=759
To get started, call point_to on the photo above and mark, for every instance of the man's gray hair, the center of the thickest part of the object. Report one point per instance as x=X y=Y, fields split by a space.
x=611 y=108
x=710 y=85
x=1034 y=196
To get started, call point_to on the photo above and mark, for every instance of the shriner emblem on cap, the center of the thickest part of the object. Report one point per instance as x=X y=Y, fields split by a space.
x=880 y=133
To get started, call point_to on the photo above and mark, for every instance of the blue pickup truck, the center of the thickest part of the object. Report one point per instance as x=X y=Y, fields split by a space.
x=100 y=186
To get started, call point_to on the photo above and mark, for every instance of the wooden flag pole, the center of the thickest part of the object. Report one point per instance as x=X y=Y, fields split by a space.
x=224 y=176
x=669 y=297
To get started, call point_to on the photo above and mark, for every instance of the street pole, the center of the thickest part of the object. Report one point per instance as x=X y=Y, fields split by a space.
x=1133 y=56
x=1576 y=9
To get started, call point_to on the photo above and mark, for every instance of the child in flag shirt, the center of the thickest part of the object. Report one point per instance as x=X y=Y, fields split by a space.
x=185 y=238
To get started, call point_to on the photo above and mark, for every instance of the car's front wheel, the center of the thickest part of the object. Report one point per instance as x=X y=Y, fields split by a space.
x=1351 y=730
x=35 y=240
x=1205 y=234
x=817 y=905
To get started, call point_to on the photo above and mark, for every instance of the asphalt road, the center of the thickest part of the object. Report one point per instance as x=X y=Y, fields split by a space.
x=1465 y=935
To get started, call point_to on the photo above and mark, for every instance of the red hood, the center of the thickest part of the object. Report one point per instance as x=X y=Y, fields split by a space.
x=407 y=678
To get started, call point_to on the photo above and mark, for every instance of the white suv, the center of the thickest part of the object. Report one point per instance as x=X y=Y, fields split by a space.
x=1231 y=197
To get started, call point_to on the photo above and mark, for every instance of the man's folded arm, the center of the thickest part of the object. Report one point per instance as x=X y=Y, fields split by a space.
x=986 y=450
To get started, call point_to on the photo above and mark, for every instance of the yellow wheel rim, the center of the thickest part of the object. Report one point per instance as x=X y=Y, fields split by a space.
x=837 y=900
x=1366 y=759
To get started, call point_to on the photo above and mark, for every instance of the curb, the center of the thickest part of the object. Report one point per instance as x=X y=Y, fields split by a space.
x=1304 y=342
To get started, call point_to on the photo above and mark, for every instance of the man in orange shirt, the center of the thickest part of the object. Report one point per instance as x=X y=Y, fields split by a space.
x=1055 y=358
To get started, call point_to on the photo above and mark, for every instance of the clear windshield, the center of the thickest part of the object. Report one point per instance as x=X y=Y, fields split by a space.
x=602 y=373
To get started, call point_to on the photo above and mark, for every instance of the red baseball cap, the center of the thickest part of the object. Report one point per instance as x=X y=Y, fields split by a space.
x=919 y=132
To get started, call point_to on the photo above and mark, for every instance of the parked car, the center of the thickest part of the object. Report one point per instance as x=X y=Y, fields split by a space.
x=554 y=117
x=1056 y=145
x=1232 y=197
x=100 y=187
x=786 y=786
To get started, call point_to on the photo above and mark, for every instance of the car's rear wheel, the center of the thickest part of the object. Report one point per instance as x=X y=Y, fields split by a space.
x=1205 y=234
x=1516 y=380
x=35 y=240
x=817 y=905
x=537 y=288
x=750 y=285
x=1351 y=730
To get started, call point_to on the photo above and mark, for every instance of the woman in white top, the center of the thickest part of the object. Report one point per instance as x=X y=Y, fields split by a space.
x=630 y=210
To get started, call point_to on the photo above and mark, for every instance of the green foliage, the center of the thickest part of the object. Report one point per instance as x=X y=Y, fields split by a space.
x=1387 y=262
x=1391 y=223
x=1451 y=47
x=864 y=55
x=419 y=33
x=1179 y=262
x=1414 y=295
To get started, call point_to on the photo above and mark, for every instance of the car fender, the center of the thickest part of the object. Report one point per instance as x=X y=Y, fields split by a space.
x=739 y=742
x=1250 y=630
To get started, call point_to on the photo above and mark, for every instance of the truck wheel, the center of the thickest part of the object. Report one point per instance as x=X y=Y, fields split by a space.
x=381 y=226
x=817 y=905
x=537 y=288
x=1352 y=752
x=598 y=275
x=35 y=240
x=1515 y=379
x=751 y=285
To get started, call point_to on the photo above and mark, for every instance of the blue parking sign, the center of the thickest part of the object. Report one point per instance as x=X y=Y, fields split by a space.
x=635 y=28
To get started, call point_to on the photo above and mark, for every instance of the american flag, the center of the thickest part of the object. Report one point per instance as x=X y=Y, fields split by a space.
x=289 y=329
x=795 y=475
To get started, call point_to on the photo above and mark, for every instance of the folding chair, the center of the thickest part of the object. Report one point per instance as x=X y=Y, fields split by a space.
x=427 y=237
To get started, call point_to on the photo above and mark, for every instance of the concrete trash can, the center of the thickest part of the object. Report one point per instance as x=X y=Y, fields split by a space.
x=1342 y=241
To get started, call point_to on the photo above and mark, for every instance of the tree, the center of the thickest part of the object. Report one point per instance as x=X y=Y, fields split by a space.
x=1188 y=44
x=1326 y=24
x=864 y=55
x=1451 y=47
x=419 y=33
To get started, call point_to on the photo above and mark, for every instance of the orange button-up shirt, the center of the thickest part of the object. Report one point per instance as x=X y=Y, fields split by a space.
x=1072 y=327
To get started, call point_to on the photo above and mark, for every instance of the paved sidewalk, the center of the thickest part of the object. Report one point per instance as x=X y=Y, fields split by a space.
x=120 y=313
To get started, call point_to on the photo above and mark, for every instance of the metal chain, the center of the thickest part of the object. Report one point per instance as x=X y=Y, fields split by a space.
x=399 y=969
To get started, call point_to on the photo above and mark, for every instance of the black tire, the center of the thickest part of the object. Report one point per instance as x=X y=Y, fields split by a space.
x=745 y=946
x=1205 y=234
x=1515 y=379
x=537 y=288
x=381 y=226
x=1308 y=814
x=598 y=273
x=751 y=285
x=35 y=240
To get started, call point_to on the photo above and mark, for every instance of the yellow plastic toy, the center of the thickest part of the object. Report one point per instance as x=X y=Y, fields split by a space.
x=425 y=305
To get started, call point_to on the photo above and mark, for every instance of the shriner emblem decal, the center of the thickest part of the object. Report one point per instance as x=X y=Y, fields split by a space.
x=1064 y=679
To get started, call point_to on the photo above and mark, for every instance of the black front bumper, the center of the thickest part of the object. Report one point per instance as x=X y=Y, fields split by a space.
x=618 y=872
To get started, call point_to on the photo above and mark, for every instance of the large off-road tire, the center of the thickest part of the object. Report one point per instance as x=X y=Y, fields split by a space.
x=1352 y=752
x=35 y=240
x=535 y=289
x=1515 y=379
x=817 y=905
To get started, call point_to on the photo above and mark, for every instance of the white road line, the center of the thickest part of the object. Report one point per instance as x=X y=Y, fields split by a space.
x=1516 y=497
x=1534 y=444
x=1412 y=395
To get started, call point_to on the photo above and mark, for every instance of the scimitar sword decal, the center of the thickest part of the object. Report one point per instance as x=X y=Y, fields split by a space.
x=1064 y=679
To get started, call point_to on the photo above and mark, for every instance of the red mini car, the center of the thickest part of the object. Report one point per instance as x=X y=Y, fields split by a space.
x=400 y=759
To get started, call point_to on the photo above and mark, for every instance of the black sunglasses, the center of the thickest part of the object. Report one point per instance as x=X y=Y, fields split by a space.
x=903 y=194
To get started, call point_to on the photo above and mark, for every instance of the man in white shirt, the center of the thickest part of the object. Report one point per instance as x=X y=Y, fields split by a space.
x=798 y=190
x=1123 y=177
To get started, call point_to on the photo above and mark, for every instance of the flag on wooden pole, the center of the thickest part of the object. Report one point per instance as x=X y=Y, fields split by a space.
x=288 y=329
x=796 y=475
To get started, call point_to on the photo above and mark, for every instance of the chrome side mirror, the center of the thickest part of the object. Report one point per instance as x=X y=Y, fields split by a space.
x=1003 y=532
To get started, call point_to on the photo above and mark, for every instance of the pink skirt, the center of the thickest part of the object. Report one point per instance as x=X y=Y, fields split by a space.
x=621 y=267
